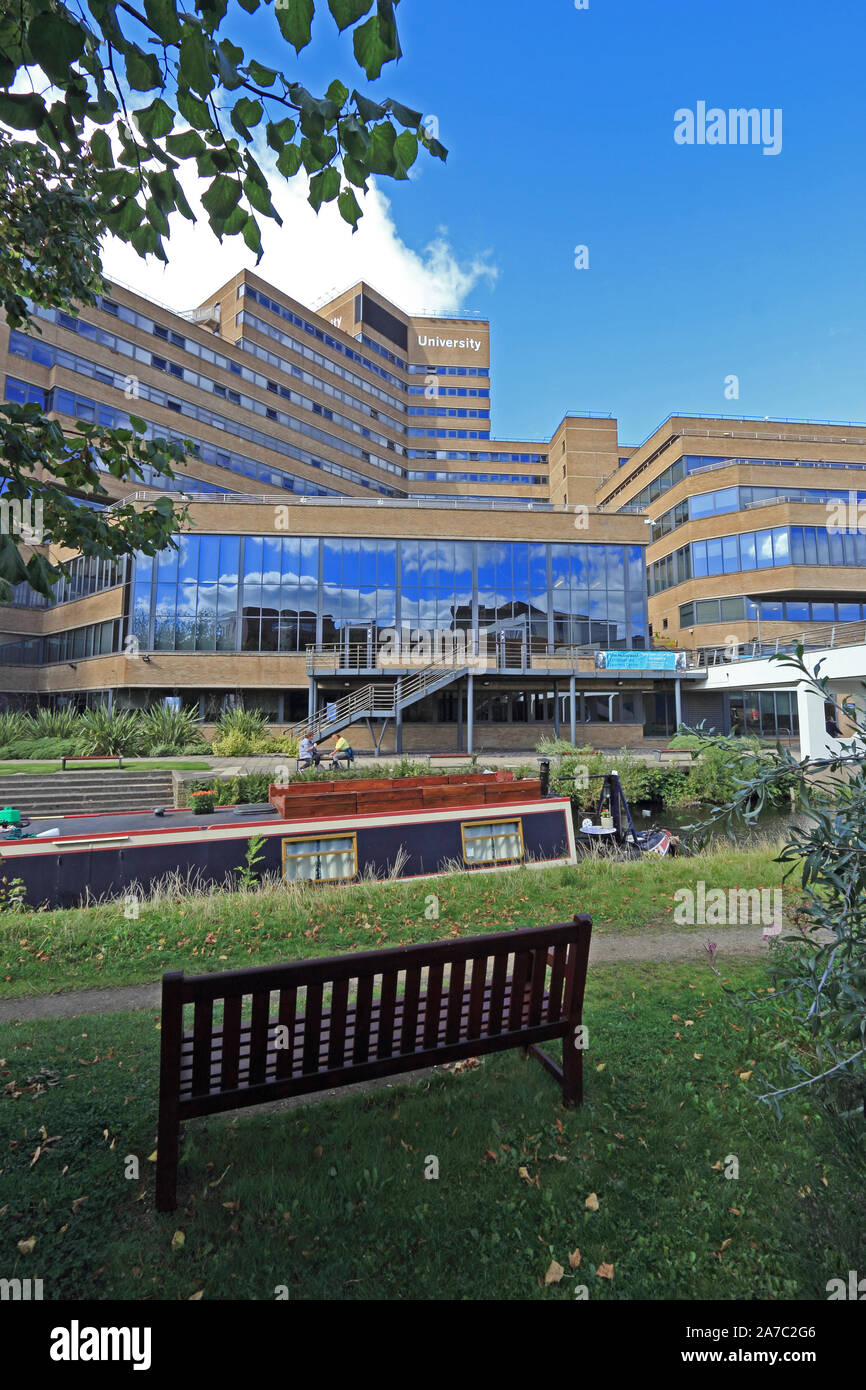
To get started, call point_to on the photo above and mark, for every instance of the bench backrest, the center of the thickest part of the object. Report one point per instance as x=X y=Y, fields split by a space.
x=369 y=1013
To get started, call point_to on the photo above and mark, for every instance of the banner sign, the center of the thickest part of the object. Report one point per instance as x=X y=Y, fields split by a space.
x=640 y=661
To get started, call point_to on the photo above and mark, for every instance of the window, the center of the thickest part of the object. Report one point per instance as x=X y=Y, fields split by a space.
x=492 y=842
x=321 y=859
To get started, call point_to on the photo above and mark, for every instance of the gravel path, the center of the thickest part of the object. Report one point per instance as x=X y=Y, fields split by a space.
x=654 y=946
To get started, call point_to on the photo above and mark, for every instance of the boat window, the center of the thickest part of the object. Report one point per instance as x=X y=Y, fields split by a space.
x=320 y=859
x=492 y=842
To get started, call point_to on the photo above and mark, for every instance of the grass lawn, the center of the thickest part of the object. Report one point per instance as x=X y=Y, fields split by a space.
x=78 y=948
x=37 y=769
x=330 y=1200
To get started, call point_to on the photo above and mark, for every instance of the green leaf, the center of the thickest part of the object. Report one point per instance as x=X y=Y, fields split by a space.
x=246 y=113
x=162 y=16
x=324 y=187
x=193 y=70
x=279 y=132
x=338 y=93
x=368 y=110
x=143 y=72
x=185 y=144
x=252 y=237
x=295 y=18
x=406 y=151
x=349 y=208
x=407 y=117
x=155 y=120
x=139 y=425
x=263 y=77
x=289 y=161
x=260 y=199
x=22 y=110
x=249 y=5
x=195 y=111
x=348 y=12
x=55 y=43
x=221 y=197
x=100 y=148
x=376 y=42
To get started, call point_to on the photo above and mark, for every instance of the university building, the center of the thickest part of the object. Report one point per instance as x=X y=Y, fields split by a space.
x=346 y=501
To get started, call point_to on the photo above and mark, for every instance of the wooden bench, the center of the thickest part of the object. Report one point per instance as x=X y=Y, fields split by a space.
x=286 y=1030
x=90 y=758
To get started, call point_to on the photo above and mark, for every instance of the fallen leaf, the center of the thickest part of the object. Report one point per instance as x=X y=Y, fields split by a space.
x=591 y=1202
x=745 y=1075
x=25 y=1247
x=554 y=1273
x=574 y=1259
x=605 y=1271
x=77 y=1203
x=178 y=1240
x=194 y=1297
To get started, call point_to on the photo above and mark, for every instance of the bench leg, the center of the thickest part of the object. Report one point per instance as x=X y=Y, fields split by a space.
x=167 y=1146
x=572 y=1070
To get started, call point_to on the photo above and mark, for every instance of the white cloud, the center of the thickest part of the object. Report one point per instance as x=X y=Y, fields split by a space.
x=309 y=257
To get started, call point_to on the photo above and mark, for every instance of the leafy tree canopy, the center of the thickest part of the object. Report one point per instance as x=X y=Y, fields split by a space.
x=110 y=101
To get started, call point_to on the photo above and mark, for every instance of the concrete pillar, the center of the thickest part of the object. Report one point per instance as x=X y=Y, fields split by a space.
x=470 y=713
x=572 y=706
x=678 y=703
x=815 y=742
x=311 y=699
x=556 y=709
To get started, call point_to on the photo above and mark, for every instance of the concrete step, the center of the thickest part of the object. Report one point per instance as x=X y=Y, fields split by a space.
x=59 y=793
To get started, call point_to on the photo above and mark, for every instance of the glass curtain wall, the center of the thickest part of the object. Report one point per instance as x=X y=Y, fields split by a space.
x=282 y=594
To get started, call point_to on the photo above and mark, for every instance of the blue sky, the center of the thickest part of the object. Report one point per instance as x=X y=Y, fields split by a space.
x=704 y=261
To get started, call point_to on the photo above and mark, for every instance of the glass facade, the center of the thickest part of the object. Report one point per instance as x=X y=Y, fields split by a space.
x=758 y=550
x=737 y=499
x=717 y=610
x=282 y=594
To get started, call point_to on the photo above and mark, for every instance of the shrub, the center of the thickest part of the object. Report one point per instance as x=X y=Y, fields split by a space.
x=51 y=723
x=236 y=744
x=13 y=726
x=45 y=749
x=170 y=730
x=284 y=743
x=241 y=733
x=106 y=731
x=203 y=802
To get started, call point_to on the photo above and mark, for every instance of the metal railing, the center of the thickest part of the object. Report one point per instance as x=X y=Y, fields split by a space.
x=815 y=638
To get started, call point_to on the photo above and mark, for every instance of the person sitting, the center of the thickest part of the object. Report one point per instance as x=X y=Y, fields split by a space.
x=308 y=753
x=343 y=752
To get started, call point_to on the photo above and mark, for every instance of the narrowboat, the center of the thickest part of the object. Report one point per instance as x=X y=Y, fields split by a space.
x=318 y=832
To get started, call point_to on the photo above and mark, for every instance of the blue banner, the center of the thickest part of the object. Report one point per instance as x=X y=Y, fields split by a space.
x=640 y=661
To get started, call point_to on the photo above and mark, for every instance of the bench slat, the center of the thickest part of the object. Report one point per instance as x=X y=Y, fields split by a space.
x=385 y=1045
x=477 y=990
x=201 y=1050
x=497 y=993
x=538 y=977
x=518 y=988
x=433 y=1004
x=411 y=996
x=363 y=1010
x=456 y=1002
x=231 y=1043
x=557 y=979
x=312 y=1028
x=259 y=1036
x=286 y=1018
x=337 y=1021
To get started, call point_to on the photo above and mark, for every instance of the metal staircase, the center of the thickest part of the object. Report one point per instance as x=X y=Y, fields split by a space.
x=378 y=701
